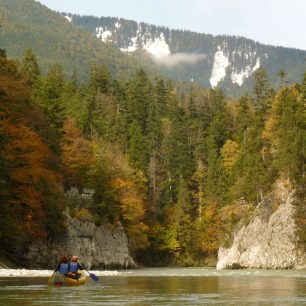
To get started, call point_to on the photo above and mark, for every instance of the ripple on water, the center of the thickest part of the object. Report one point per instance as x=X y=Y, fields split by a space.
x=183 y=286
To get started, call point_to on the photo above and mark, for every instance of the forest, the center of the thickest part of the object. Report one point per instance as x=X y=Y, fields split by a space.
x=178 y=170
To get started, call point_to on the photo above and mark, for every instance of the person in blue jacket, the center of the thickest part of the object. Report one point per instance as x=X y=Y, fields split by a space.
x=74 y=267
x=63 y=266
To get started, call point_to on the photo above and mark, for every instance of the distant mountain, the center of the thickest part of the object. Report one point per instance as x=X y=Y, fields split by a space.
x=29 y=24
x=225 y=61
x=124 y=46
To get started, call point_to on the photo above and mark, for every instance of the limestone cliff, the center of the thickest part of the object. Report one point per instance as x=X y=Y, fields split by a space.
x=269 y=241
x=96 y=246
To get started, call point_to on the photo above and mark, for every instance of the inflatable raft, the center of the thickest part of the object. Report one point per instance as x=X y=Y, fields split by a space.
x=58 y=280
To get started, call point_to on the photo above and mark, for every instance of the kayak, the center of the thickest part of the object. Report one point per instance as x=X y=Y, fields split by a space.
x=58 y=280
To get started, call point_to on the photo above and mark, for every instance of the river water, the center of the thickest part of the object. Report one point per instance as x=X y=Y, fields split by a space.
x=164 y=286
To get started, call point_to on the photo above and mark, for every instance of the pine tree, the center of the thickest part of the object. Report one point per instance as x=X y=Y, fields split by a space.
x=48 y=95
x=100 y=79
x=263 y=93
x=30 y=67
x=216 y=184
x=243 y=119
x=106 y=206
x=182 y=221
x=198 y=187
x=138 y=99
x=137 y=147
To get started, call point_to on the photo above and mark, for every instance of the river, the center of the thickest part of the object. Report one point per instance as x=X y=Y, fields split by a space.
x=164 y=286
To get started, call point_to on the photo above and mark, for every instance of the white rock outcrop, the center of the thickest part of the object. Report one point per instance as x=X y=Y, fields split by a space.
x=96 y=246
x=268 y=241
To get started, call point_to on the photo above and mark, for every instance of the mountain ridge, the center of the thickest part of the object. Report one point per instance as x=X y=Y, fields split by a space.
x=181 y=55
x=30 y=24
x=222 y=60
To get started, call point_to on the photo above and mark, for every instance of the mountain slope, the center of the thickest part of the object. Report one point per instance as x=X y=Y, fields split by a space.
x=227 y=61
x=29 y=24
x=209 y=61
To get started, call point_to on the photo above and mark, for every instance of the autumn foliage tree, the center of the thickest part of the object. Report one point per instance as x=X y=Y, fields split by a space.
x=76 y=153
x=30 y=182
x=132 y=212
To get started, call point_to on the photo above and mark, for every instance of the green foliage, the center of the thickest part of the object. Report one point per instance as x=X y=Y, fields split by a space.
x=291 y=151
x=241 y=53
x=30 y=67
x=106 y=206
x=48 y=95
x=29 y=24
x=137 y=147
x=170 y=167
x=243 y=119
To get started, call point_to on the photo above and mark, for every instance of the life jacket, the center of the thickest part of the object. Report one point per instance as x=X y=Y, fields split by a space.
x=64 y=268
x=74 y=267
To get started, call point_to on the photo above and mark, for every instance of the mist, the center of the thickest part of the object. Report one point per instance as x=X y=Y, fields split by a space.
x=179 y=58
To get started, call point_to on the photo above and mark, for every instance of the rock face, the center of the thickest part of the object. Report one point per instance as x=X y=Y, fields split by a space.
x=96 y=246
x=269 y=241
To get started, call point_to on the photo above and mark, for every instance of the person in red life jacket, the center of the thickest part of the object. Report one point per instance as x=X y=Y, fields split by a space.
x=63 y=266
x=74 y=267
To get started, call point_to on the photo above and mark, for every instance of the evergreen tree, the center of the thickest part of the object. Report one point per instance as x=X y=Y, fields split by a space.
x=48 y=96
x=282 y=76
x=263 y=92
x=30 y=67
x=182 y=220
x=176 y=158
x=216 y=185
x=198 y=181
x=137 y=147
x=138 y=99
x=290 y=131
x=253 y=177
x=243 y=119
x=105 y=208
x=100 y=79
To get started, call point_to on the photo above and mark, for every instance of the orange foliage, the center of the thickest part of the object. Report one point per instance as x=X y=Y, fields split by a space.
x=132 y=210
x=27 y=157
x=76 y=152
x=208 y=228
x=132 y=207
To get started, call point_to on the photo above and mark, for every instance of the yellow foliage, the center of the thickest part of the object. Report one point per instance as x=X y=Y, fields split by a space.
x=132 y=211
x=83 y=214
x=229 y=153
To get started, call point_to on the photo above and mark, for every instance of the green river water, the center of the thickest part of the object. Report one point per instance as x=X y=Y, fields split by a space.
x=164 y=286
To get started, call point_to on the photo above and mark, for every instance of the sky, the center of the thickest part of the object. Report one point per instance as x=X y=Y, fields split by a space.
x=273 y=22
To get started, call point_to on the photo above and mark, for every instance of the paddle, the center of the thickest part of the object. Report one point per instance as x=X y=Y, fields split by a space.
x=51 y=280
x=93 y=276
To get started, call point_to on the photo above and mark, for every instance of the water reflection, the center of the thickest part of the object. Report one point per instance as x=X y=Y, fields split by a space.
x=264 y=289
x=142 y=289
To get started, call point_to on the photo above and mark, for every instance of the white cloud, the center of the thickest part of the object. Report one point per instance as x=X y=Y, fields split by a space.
x=180 y=58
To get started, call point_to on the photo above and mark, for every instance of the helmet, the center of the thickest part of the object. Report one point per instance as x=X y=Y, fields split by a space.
x=74 y=258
